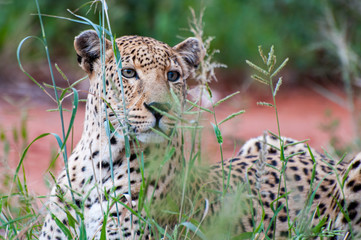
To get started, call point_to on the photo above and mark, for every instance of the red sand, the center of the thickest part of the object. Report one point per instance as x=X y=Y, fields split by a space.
x=301 y=112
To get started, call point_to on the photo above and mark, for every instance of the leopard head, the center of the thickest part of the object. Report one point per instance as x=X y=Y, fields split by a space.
x=150 y=75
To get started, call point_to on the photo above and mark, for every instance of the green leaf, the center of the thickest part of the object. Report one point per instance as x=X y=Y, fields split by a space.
x=103 y=234
x=318 y=228
x=82 y=231
x=73 y=113
x=342 y=158
x=96 y=27
x=63 y=228
x=218 y=133
x=71 y=220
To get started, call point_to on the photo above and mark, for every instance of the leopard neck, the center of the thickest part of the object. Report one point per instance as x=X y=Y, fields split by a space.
x=94 y=142
x=94 y=121
x=156 y=156
x=163 y=165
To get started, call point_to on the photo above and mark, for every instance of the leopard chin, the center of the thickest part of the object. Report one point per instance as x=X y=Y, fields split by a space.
x=150 y=137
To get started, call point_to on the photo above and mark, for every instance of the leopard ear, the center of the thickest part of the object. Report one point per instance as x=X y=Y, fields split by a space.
x=87 y=47
x=192 y=51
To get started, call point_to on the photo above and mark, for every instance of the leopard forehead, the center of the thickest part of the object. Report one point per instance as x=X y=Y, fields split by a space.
x=141 y=53
x=146 y=53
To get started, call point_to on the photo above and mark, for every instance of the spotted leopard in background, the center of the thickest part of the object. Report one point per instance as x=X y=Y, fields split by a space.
x=150 y=71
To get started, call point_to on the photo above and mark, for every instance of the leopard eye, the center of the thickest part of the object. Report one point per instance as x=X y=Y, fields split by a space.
x=129 y=73
x=173 y=76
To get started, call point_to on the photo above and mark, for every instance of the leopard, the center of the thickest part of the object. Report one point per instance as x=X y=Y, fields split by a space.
x=130 y=152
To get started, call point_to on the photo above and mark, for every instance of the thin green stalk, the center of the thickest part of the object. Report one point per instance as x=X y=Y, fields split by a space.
x=220 y=141
x=102 y=54
x=65 y=154
x=193 y=144
x=282 y=156
x=265 y=76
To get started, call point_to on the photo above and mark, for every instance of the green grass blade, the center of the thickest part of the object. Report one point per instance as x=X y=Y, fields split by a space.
x=9 y=222
x=231 y=116
x=260 y=79
x=103 y=234
x=23 y=69
x=82 y=234
x=63 y=228
x=242 y=236
x=279 y=83
x=270 y=56
x=73 y=114
x=23 y=155
x=160 y=133
x=96 y=27
x=218 y=133
x=226 y=98
x=265 y=104
x=65 y=18
x=197 y=106
x=264 y=58
x=258 y=69
x=194 y=229
x=279 y=68
x=297 y=142
x=61 y=73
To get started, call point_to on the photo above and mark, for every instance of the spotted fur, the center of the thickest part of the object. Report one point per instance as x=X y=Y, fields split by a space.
x=151 y=70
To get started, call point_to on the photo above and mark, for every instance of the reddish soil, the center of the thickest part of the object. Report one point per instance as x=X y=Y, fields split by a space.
x=301 y=112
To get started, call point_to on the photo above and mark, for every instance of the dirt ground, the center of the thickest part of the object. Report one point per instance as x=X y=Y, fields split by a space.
x=301 y=112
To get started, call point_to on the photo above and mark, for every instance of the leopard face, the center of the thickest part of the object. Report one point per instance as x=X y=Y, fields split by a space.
x=152 y=75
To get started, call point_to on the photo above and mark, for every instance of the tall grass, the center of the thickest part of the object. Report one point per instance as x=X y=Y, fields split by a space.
x=300 y=227
x=23 y=220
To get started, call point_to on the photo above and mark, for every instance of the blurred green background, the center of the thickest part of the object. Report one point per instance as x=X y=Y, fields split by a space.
x=306 y=31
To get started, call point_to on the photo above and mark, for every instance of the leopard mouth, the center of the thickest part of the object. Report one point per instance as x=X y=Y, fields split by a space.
x=155 y=134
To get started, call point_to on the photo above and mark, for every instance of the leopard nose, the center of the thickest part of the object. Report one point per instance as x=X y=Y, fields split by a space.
x=164 y=107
